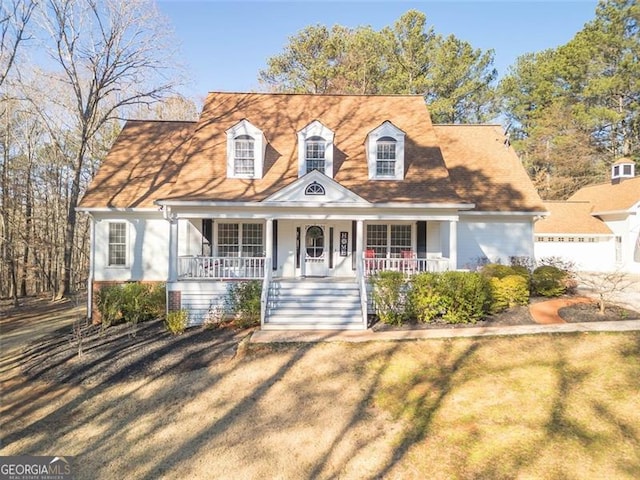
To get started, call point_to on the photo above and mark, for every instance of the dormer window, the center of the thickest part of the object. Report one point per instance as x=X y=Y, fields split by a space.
x=314 y=154
x=385 y=152
x=246 y=147
x=244 y=156
x=315 y=149
x=386 y=157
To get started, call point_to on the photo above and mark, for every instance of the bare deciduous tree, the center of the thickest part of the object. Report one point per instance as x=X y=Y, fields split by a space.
x=606 y=286
x=113 y=55
x=14 y=17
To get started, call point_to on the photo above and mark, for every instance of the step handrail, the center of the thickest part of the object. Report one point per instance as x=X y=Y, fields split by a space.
x=264 y=295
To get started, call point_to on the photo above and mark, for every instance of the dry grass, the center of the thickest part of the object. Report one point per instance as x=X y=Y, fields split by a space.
x=538 y=407
x=542 y=407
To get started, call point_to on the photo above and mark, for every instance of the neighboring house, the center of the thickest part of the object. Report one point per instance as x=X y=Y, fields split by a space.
x=309 y=194
x=598 y=227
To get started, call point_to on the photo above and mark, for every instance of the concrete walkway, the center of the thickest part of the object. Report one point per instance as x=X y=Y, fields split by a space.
x=545 y=314
x=276 y=336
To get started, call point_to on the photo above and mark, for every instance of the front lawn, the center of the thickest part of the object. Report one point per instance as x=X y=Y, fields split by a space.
x=542 y=407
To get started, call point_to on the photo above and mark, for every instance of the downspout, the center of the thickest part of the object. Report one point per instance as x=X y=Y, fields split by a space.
x=92 y=256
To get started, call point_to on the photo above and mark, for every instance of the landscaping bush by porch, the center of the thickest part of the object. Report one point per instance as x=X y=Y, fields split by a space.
x=453 y=297
x=244 y=303
x=131 y=302
x=390 y=297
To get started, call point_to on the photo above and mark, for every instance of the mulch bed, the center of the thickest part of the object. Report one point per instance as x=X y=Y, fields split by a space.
x=588 y=312
x=582 y=312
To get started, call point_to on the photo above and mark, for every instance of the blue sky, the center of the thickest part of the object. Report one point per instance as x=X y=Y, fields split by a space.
x=225 y=43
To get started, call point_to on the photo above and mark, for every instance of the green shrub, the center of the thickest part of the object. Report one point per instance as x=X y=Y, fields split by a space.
x=390 y=297
x=176 y=321
x=469 y=295
x=244 y=303
x=508 y=292
x=131 y=302
x=109 y=305
x=495 y=270
x=425 y=298
x=548 y=281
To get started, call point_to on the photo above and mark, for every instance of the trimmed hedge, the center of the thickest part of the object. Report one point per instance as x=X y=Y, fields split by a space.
x=508 y=292
x=549 y=281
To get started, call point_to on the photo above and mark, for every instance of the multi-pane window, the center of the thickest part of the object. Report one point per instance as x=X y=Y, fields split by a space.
x=244 y=158
x=400 y=240
x=389 y=240
x=314 y=154
x=386 y=157
x=377 y=239
x=117 y=243
x=245 y=239
x=252 y=240
x=228 y=239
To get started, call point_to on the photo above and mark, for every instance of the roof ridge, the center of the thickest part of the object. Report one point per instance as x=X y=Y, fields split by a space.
x=411 y=95
x=158 y=120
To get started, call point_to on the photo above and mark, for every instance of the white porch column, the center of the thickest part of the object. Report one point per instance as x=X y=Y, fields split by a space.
x=173 y=249
x=359 y=248
x=269 y=240
x=453 y=244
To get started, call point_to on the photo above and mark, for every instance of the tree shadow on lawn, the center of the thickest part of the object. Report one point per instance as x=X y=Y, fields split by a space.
x=162 y=374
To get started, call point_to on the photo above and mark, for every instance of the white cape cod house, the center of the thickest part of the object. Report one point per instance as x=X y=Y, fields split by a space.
x=309 y=194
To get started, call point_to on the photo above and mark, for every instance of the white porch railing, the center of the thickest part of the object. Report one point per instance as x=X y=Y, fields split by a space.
x=220 y=268
x=408 y=266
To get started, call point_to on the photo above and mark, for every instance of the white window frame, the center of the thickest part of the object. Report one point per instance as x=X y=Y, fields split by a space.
x=241 y=238
x=623 y=170
x=241 y=129
x=388 y=234
x=383 y=156
x=247 y=155
x=387 y=129
x=126 y=244
x=308 y=133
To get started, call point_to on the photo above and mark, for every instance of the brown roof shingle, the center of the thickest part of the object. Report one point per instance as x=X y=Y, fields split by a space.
x=608 y=197
x=570 y=218
x=141 y=166
x=281 y=116
x=153 y=160
x=485 y=170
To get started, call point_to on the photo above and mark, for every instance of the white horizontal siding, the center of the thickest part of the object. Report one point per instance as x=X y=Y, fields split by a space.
x=587 y=256
x=494 y=238
x=199 y=298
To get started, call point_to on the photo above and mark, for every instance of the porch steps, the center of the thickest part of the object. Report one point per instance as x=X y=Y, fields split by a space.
x=313 y=304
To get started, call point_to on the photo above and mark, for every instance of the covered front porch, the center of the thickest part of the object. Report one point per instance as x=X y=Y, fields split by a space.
x=210 y=249
x=286 y=254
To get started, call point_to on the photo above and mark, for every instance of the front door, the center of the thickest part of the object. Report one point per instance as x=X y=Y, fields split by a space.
x=315 y=251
